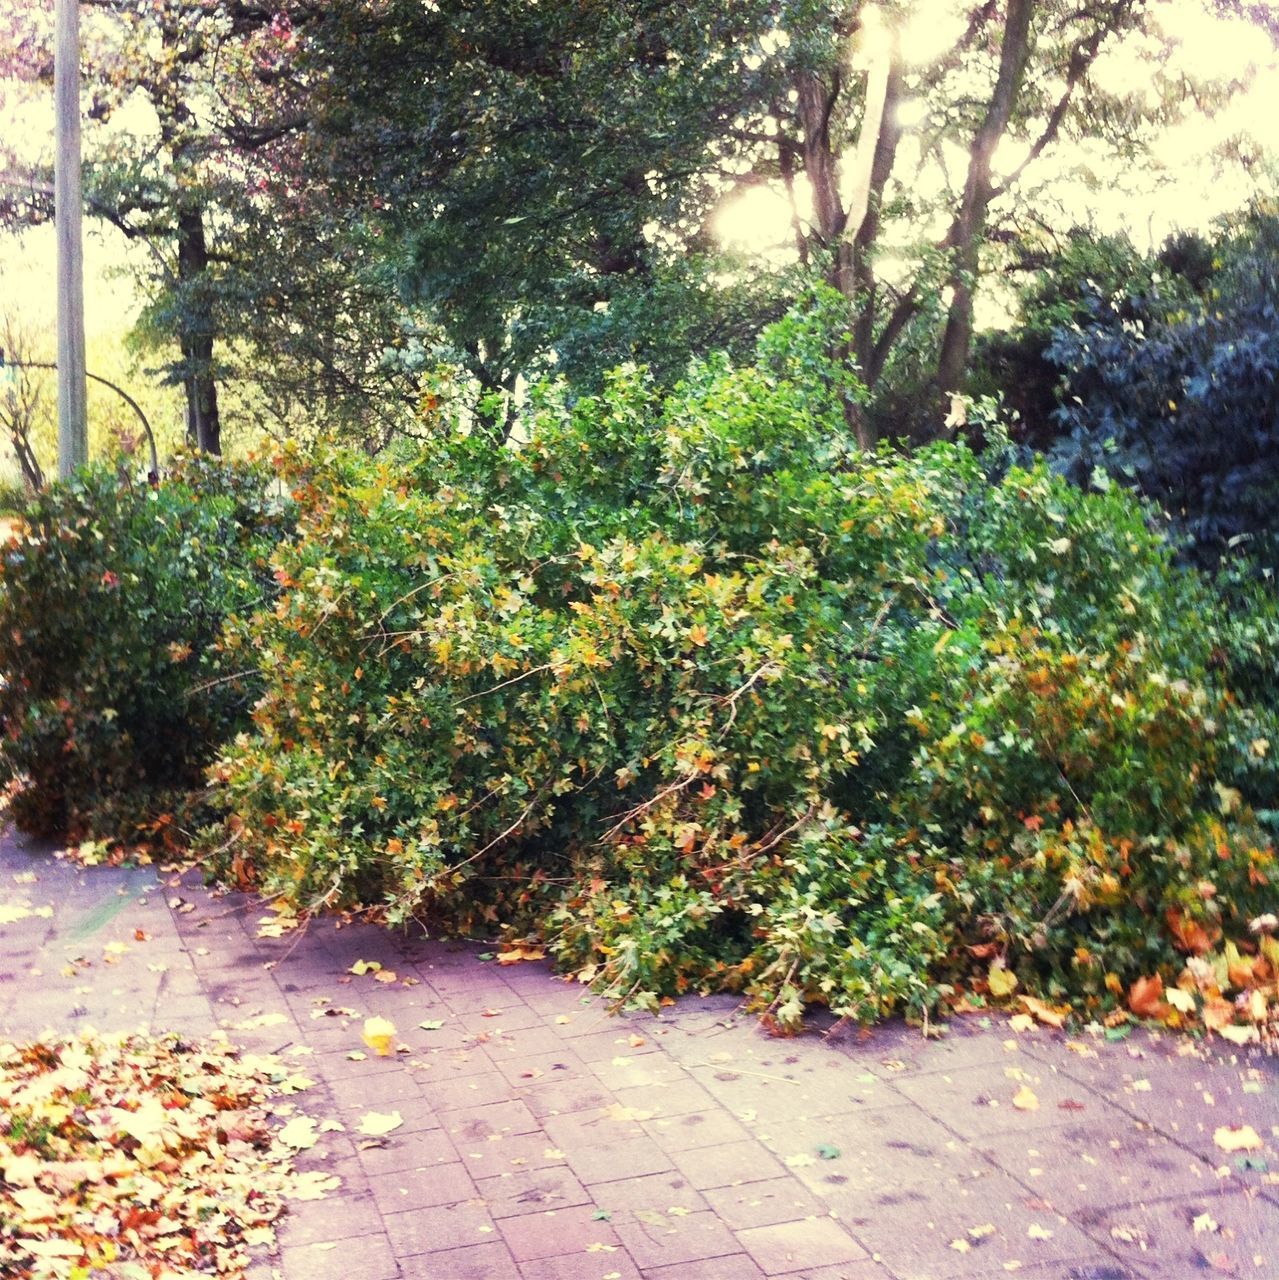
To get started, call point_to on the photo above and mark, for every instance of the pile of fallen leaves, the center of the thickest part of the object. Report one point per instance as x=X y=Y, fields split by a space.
x=140 y=1157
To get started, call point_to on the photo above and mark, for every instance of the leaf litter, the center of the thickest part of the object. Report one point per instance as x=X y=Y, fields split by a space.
x=141 y=1156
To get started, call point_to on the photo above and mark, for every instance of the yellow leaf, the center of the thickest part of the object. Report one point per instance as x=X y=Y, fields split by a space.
x=1025 y=1100
x=377 y=1123
x=379 y=1035
x=1237 y=1138
x=1002 y=981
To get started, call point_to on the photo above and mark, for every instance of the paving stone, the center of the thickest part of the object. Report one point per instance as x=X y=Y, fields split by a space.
x=978 y=1100
x=401 y=1151
x=707 y=1127
x=1075 y=1166
x=655 y=1239
x=478 y=1124
x=727 y=1165
x=654 y=1192
x=1187 y=1235
x=734 y=1266
x=441 y=1227
x=554 y=1232
x=515 y=1192
x=764 y=1204
x=422 y=1187
x=581 y=1266
x=490 y=1261
x=360 y=1258
x=789 y=1246
x=330 y=1219
x=968 y=1229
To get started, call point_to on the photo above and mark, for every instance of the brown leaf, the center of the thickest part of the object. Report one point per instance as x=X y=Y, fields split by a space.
x=1146 y=998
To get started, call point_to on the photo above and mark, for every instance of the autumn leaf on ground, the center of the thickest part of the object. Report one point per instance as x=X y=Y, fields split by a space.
x=1146 y=998
x=1025 y=1099
x=299 y=1133
x=519 y=952
x=361 y=967
x=376 y=1124
x=431 y=1024
x=379 y=1035
x=1001 y=980
x=1237 y=1138
x=142 y=1156
x=1050 y=1015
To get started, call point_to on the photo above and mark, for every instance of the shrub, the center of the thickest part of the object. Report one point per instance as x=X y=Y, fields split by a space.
x=710 y=700
x=116 y=692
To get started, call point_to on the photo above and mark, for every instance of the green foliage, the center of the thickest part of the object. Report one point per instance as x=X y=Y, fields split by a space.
x=715 y=701
x=112 y=595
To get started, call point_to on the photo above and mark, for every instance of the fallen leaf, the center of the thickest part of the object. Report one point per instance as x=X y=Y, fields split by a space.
x=1237 y=1138
x=1205 y=1224
x=379 y=1035
x=386 y=975
x=377 y=1124
x=1025 y=1100
x=299 y=1133
x=828 y=1151
x=431 y=1024
x=1036 y=1232
x=1146 y=998
x=1001 y=980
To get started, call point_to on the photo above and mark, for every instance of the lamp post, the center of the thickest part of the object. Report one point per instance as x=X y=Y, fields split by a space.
x=73 y=426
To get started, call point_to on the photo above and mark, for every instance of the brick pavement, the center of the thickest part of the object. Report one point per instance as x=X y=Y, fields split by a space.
x=543 y=1139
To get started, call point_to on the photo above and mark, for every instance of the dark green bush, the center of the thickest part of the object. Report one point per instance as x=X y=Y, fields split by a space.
x=116 y=691
x=711 y=700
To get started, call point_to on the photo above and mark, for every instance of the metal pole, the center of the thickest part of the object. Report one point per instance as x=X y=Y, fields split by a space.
x=73 y=426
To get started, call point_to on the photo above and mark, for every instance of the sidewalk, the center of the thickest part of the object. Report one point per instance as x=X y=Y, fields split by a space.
x=544 y=1139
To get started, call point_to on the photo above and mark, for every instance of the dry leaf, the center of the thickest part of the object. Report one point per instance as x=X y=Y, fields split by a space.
x=1146 y=998
x=379 y=1035
x=1237 y=1138
x=1001 y=980
x=1025 y=1100
x=377 y=1124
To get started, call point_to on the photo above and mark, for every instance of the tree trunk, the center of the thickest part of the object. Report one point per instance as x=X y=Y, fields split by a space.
x=966 y=231
x=195 y=328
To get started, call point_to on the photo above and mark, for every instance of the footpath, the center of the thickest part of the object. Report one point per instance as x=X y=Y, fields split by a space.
x=543 y=1138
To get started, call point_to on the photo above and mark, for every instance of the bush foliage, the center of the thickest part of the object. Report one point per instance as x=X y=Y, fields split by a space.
x=112 y=596
x=708 y=700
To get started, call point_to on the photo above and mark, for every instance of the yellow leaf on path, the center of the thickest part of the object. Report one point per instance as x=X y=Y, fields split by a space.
x=379 y=1035
x=960 y=1246
x=1002 y=981
x=1237 y=1138
x=1046 y=1013
x=1036 y=1232
x=1205 y=1224
x=299 y=1133
x=377 y=1123
x=361 y=967
x=1025 y=1100
x=385 y=975
x=520 y=952
x=1239 y=1035
x=315 y=1184
x=1021 y=1022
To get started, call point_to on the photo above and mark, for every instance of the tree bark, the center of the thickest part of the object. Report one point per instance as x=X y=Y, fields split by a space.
x=966 y=232
x=204 y=425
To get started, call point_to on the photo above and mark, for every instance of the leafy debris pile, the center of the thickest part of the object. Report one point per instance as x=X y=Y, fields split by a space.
x=139 y=1157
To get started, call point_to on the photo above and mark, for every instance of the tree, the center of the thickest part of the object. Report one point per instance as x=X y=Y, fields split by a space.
x=1179 y=397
